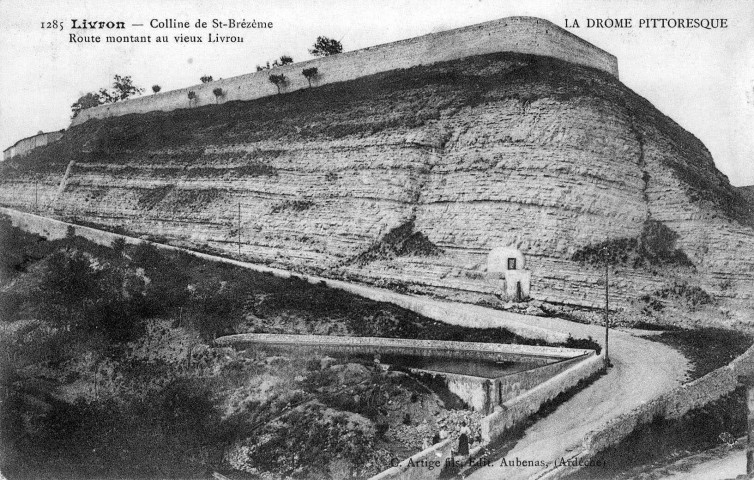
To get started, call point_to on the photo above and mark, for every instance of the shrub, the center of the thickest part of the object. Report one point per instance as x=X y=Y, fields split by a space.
x=175 y=434
x=279 y=80
x=692 y=295
x=324 y=47
x=310 y=74
x=294 y=205
x=118 y=245
x=398 y=242
x=215 y=307
x=654 y=246
x=314 y=432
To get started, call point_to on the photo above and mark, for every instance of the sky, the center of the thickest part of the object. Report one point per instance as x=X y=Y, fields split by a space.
x=703 y=79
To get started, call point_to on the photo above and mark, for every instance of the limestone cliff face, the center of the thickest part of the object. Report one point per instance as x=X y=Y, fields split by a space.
x=487 y=151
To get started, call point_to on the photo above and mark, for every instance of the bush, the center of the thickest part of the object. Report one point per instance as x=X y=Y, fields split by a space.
x=310 y=74
x=691 y=295
x=279 y=80
x=309 y=434
x=118 y=245
x=215 y=307
x=654 y=246
x=293 y=205
x=400 y=242
x=176 y=433
x=324 y=47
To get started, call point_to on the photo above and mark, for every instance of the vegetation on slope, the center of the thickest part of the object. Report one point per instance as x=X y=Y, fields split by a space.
x=655 y=246
x=706 y=348
x=401 y=241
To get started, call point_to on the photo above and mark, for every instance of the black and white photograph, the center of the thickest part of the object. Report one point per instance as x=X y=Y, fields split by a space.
x=377 y=240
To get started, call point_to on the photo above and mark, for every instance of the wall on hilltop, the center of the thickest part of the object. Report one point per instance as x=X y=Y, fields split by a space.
x=527 y=35
x=26 y=145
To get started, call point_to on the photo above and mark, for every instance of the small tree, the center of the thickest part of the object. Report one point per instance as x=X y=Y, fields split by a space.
x=278 y=80
x=206 y=78
x=310 y=74
x=191 y=96
x=263 y=67
x=123 y=88
x=156 y=88
x=218 y=93
x=286 y=60
x=87 y=101
x=324 y=47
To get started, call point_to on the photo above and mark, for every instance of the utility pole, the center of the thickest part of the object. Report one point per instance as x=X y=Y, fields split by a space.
x=607 y=307
x=36 y=196
x=239 y=228
x=746 y=380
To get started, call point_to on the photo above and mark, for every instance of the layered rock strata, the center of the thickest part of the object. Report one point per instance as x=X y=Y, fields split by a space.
x=494 y=150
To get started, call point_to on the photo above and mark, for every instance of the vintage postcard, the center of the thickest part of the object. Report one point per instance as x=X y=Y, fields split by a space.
x=394 y=239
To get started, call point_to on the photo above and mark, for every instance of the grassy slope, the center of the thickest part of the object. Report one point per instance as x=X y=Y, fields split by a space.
x=707 y=349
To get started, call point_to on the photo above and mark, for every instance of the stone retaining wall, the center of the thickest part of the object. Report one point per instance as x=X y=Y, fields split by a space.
x=482 y=394
x=519 y=408
x=406 y=346
x=511 y=386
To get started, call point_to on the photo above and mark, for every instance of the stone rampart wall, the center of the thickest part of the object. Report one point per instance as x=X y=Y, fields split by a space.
x=26 y=145
x=527 y=35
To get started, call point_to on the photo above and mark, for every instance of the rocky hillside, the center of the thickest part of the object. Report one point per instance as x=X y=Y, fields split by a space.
x=407 y=179
x=748 y=193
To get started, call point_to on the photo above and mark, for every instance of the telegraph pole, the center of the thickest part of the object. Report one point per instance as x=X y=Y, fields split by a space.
x=750 y=443
x=606 y=253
